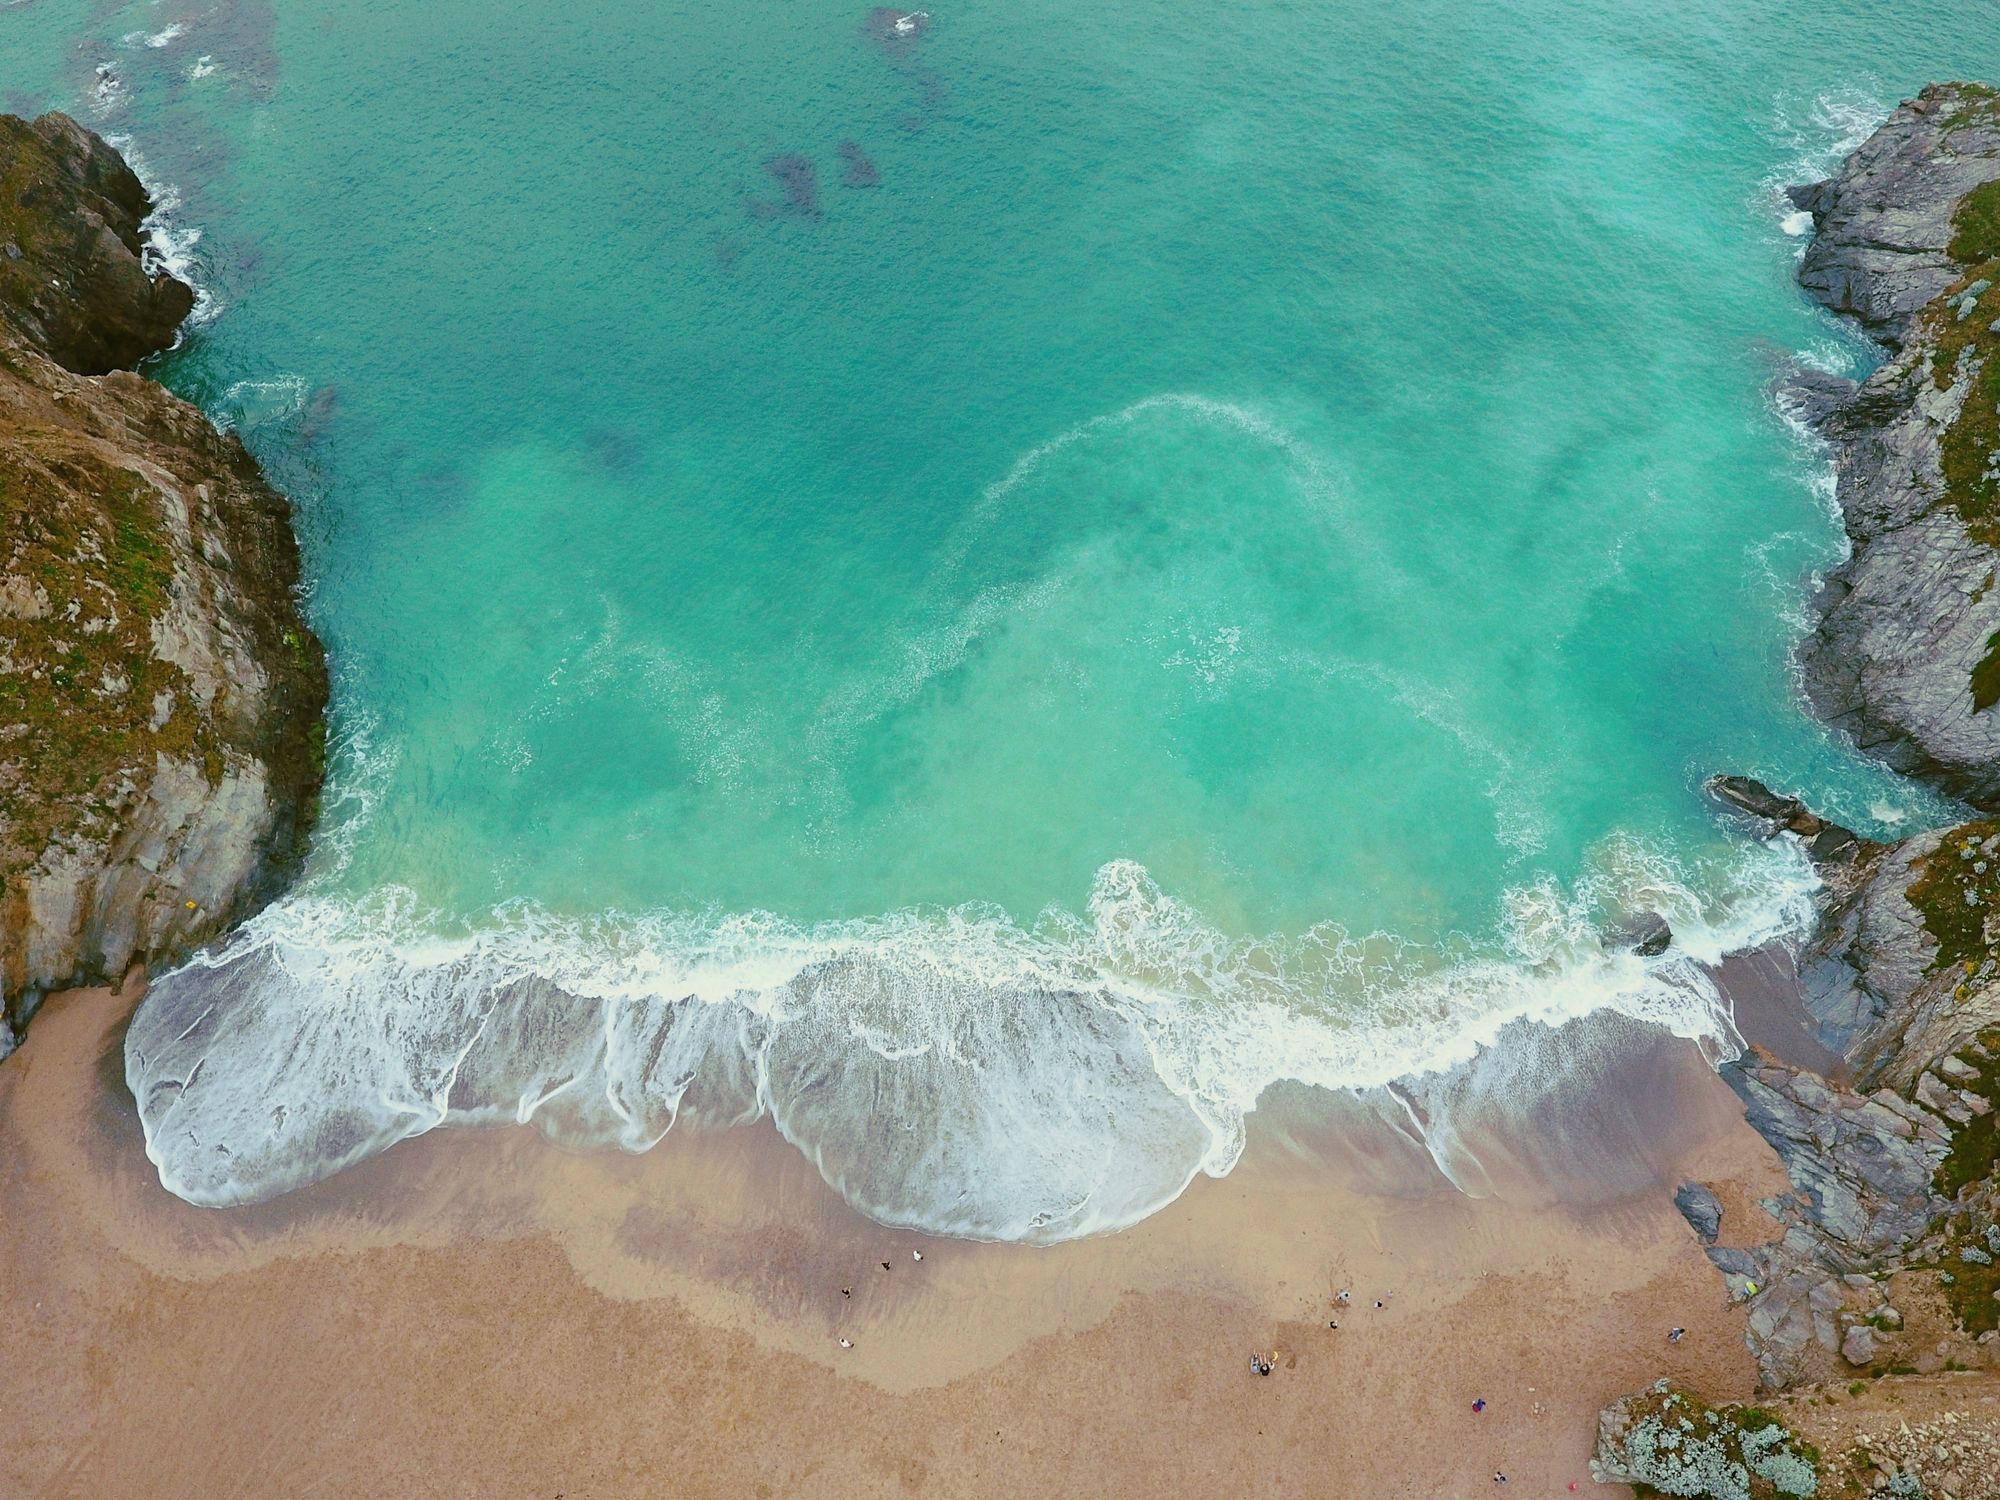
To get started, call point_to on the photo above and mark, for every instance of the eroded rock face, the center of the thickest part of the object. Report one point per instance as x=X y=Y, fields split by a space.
x=1869 y=1152
x=1883 y=225
x=1908 y=619
x=161 y=697
x=73 y=279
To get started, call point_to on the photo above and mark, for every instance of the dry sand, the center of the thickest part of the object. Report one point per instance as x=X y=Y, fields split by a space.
x=476 y=1313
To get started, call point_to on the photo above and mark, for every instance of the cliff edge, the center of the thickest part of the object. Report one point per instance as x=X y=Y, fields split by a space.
x=162 y=699
x=1889 y=1249
x=1906 y=655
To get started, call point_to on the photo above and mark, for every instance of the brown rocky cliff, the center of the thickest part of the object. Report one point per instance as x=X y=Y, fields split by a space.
x=161 y=696
x=74 y=282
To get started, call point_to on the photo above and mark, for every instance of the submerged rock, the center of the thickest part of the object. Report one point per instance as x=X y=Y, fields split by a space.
x=1647 y=935
x=860 y=170
x=161 y=697
x=801 y=184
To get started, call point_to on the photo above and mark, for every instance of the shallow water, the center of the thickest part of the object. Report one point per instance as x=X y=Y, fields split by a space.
x=992 y=591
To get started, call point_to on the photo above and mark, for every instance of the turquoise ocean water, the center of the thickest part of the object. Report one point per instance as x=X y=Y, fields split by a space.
x=991 y=589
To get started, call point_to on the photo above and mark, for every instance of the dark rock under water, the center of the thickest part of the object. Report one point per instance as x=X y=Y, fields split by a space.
x=795 y=174
x=861 y=171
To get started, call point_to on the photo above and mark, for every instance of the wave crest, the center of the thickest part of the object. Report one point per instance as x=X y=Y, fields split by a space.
x=947 y=1070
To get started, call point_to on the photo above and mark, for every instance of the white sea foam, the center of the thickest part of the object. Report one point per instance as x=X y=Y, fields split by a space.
x=1042 y=1082
x=1821 y=132
x=107 y=91
x=171 y=244
x=945 y=1069
x=250 y=404
x=1816 y=135
x=1319 y=487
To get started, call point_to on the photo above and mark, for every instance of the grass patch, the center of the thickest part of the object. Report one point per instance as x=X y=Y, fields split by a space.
x=1976 y=226
x=1986 y=676
x=78 y=705
x=1975 y=1145
x=1956 y=889
x=1977 y=103
x=1963 y=345
x=1968 y=453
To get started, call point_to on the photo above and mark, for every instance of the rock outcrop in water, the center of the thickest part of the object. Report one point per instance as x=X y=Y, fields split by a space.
x=161 y=697
x=1891 y=1155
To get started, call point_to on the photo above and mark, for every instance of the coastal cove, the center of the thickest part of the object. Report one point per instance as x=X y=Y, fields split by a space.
x=1000 y=721
x=1255 y=708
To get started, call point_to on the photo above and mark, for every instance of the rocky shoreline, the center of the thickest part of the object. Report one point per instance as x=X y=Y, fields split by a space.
x=162 y=699
x=1886 y=1263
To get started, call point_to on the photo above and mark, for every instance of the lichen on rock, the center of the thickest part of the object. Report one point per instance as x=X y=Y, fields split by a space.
x=1666 y=1441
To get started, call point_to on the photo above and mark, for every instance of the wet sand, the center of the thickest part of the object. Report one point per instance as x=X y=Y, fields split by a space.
x=479 y=1313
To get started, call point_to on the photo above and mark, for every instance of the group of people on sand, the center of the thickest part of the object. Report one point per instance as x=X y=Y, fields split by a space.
x=848 y=1292
x=1262 y=1364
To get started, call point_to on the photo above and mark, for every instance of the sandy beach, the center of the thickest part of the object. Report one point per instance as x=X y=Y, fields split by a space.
x=477 y=1312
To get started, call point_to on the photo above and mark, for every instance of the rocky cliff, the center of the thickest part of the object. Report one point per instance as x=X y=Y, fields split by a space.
x=1891 y=1155
x=1906 y=655
x=161 y=697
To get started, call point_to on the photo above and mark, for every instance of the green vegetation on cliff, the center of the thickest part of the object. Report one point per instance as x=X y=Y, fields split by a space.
x=162 y=734
x=85 y=702
x=1964 y=323
x=1674 y=1443
x=1956 y=890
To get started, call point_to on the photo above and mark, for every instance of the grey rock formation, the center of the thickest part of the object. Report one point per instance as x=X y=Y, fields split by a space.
x=1646 y=934
x=1906 y=619
x=1858 y=1347
x=1702 y=1209
x=1882 y=223
x=1903 y=624
x=1863 y=1163
x=161 y=697
x=1769 y=813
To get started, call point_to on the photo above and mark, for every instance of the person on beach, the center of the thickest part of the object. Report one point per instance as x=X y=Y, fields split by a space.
x=1341 y=1296
x=1675 y=1335
x=1479 y=1405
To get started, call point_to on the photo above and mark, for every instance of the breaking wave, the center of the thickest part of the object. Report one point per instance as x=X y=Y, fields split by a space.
x=947 y=1070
